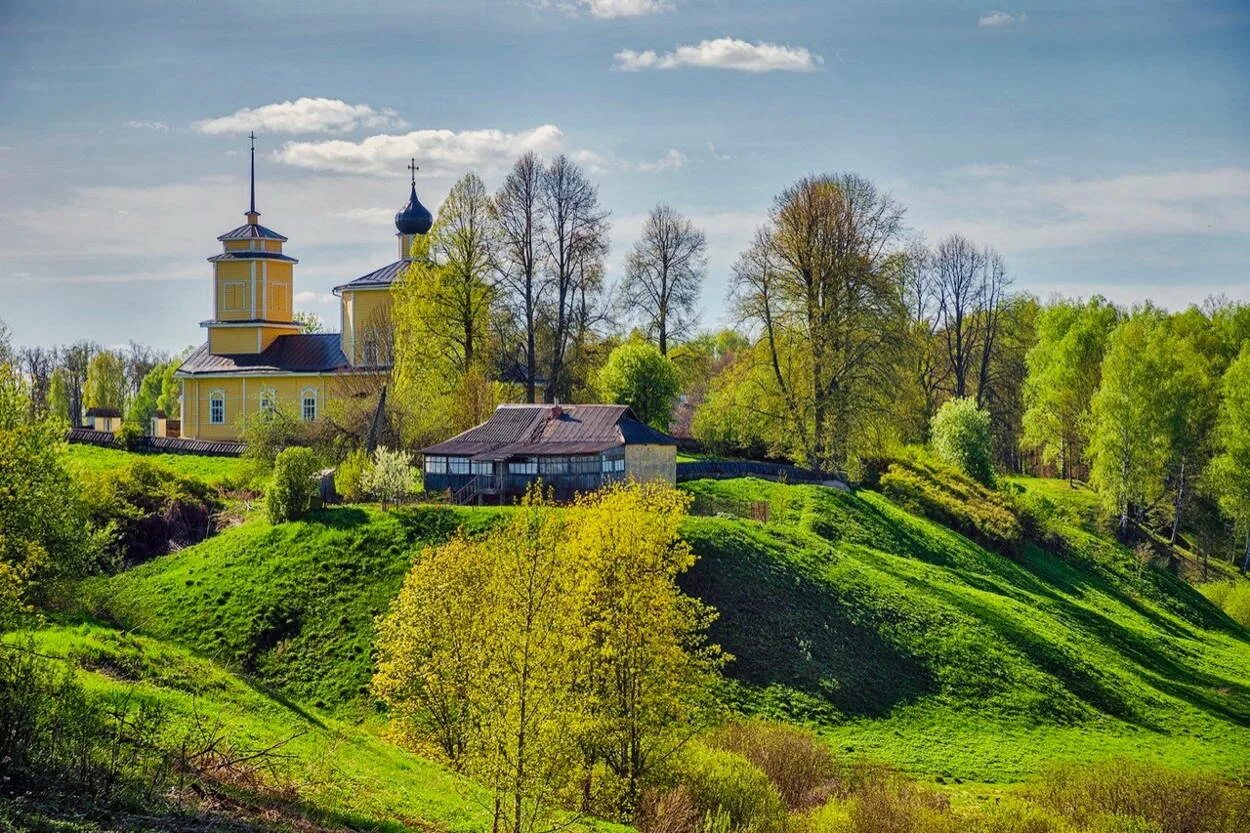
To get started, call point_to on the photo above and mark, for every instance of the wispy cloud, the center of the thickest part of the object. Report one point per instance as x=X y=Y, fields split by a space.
x=625 y=8
x=724 y=53
x=159 y=126
x=1026 y=212
x=670 y=161
x=310 y=297
x=303 y=115
x=444 y=151
x=720 y=157
x=999 y=18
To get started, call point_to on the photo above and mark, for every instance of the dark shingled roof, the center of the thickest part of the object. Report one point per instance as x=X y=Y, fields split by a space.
x=296 y=353
x=545 y=430
x=103 y=412
x=252 y=255
x=247 y=231
x=378 y=278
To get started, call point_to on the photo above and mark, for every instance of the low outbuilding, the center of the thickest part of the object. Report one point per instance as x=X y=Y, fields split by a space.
x=571 y=448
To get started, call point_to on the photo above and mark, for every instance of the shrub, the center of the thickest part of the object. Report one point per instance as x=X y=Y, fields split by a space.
x=144 y=510
x=349 y=476
x=267 y=432
x=798 y=763
x=291 y=488
x=130 y=436
x=1113 y=794
x=638 y=375
x=725 y=784
x=960 y=437
x=955 y=500
x=389 y=479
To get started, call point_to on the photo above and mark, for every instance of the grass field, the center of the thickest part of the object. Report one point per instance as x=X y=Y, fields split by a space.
x=90 y=459
x=334 y=774
x=897 y=638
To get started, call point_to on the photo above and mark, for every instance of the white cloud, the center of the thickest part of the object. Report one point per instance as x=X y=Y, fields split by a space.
x=444 y=151
x=721 y=157
x=670 y=161
x=999 y=18
x=724 y=53
x=625 y=8
x=158 y=126
x=1029 y=213
x=304 y=115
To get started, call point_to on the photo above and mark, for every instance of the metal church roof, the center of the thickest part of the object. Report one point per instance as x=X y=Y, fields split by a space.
x=250 y=231
x=295 y=353
x=378 y=278
x=252 y=255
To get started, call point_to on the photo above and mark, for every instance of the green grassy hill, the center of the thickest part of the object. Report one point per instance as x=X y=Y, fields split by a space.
x=91 y=459
x=898 y=638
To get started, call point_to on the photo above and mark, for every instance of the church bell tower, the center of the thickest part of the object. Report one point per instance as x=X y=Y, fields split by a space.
x=252 y=285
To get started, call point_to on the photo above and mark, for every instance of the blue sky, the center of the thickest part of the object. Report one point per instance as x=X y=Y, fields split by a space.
x=1100 y=146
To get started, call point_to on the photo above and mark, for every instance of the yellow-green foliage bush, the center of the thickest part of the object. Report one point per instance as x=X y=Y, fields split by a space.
x=292 y=488
x=349 y=476
x=1127 y=795
x=1233 y=597
x=727 y=790
x=798 y=763
x=952 y=498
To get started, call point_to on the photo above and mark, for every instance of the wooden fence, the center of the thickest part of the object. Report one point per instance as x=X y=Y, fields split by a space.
x=722 y=469
x=167 y=445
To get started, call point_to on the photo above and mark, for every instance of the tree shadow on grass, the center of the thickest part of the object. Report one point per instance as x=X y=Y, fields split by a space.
x=786 y=627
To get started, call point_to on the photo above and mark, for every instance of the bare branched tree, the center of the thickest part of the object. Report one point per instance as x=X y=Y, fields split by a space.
x=823 y=281
x=958 y=271
x=663 y=275
x=519 y=257
x=574 y=238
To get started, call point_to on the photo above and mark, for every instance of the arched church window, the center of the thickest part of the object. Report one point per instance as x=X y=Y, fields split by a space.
x=217 y=407
x=308 y=405
x=268 y=401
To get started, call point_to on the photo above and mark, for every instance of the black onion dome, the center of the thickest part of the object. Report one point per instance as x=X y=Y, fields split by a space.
x=414 y=218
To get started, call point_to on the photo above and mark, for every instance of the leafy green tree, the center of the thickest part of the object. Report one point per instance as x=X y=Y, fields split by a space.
x=106 y=381
x=43 y=531
x=292 y=487
x=960 y=436
x=638 y=375
x=309 y=322
x=1229 y=472
x=157 y=392
x=1064 y=369
x=60 y=405
x=1129 y=436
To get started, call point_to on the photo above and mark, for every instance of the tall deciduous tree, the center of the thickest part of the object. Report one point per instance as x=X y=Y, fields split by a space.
x=106 y=381
x=74 y=359
x=521 y=221
x=663 y=275
x=1064 y=369
x=38 y=363
x=441 y=316
x=574 y=243
x=1229 y=473
x=822 y=284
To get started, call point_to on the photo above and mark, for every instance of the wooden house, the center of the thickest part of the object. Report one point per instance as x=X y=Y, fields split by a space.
x=571 y=448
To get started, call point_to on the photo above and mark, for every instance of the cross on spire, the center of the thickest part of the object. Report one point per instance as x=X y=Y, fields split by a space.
x=412 y=166
x=252 y=208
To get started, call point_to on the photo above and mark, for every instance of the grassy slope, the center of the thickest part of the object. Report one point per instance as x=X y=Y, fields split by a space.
x=346 y=777
x=90 y=459
x=908 y=643
x=899 y=638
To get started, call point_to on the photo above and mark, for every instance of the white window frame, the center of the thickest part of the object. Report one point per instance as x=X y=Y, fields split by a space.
x=214 y=397
x=305 y=396
x=435 y=464
x=482 y=467
x=268 y=400
x=457 y=465
x=524 y=465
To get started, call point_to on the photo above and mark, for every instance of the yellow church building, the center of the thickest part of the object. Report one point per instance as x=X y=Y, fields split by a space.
x=256 y=358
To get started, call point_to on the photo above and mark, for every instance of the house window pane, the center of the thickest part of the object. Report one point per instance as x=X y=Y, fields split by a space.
x=435 y=465
x=217 y=408
x=483 y=468
x=309 y=409
x=554 y=465
x=529 y=466
x=268 y=401
x=458 y=465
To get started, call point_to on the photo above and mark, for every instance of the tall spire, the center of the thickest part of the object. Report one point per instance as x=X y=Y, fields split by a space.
x=412 y=166
x=252 y=214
